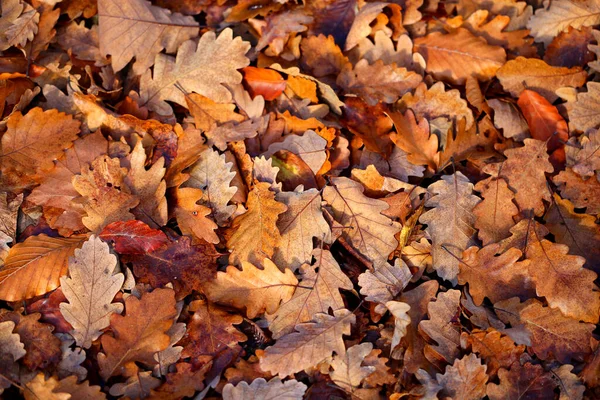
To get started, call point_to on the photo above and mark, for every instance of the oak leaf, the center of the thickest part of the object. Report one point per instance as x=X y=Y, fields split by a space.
x=133 y=237
x=279 y=27
x=497 y=277
x=533 y=74
x=508 y=118
x=105 y=196
x=256 y=290
x=396 y=165
x=139 y=29
x=365 y=228
x=32 y=142
x=581 y=192
x=465 y=379
x=42 y=257
x=81 y=390
x=377 y=82
x=321 y=55
x=571 y=386
x=370 y=124
x=414 y=138
x=527 y=381
x=203 y=68
x=192 y=217
x=310 y=147
x=213 y=175
x=149 y=187
x=90 y=290
x=497 y=350
x=442 y=327
x=347 y=370
x=496 y=211
x=255 y=233
x=19 y=24
x=584 y=157
x=557 y=16
x=11 y=343
x=138 y=334
x=261 y=389
x=311 y=343
x=456 y=56
x=450 y=222
x=583 y=114
x=525 y=171
x=299 y=224
x=401 y=322
x=317 y=292
x=139 y=385
x=41 y=388
x=384 y=282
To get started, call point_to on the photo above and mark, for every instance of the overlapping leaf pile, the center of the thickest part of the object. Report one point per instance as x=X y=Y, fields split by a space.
x=334 y=199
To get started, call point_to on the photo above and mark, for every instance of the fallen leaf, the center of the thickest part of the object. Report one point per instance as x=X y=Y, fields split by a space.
x=347 y=371
x=527 y=381
x=465 y=379
x=261 y=389
x=133 y=237
x=264 y=82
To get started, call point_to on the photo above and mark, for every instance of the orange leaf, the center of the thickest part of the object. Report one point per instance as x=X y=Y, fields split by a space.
x=264 y=82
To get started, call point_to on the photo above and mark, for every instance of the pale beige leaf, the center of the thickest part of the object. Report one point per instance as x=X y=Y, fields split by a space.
x=83 y=42
x=396 y=165
x=90 y=291
x=42 y=257
x=10 y=343
x=81 y=390
x=584 y=157
x=450 y=222
x=136 y=28
x=456 y=56
x=310 y=147
x=263 y=170
x=213 y=175
x=383 y=49
x=434 y=102
x=508 y=118
x=361 y=26
x=442 y=328
x=138 y=386
x=317 y=292
x=21 y=29
x=556 y=16
x=232 y=132
x=9 y=211
x=149 y=186
x=204 y=68
x=533 y=74
x=377 y=82
x=261 y=389
x=570 y=385
x=384 y=282
x=401 y=321
x=40 y=388
x=583 y=113
x=310 y=344
x=299 y=224
x=256 y=290
x=169 y=356
x=105 y=196
x=255 y=233
x=347 y=371
x=465 y=379
x=365 y=228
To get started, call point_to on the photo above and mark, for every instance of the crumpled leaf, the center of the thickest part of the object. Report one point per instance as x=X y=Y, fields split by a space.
x=138 y=334
x=465 y=379
x=401 y=321
x=583 y=114
x=90 y=290
x=443 y=328
x=369 y=232
x=299 y=224
x=139 y=29
x=213 y=175
x=255 y=233
x=456 y=56
x=317 y=292
x=256 y=290
x=105 y=195
x=202 y=68
x=347 y=371
x=311 y=343
x=39 y=256
x=450 y=222
x=570 y=385
x=261 y=389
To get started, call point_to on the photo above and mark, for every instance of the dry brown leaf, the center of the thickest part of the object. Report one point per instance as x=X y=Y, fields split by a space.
x=465 y=379
x=525 y=171
x=81 y=390
x=533 y=74
x=581 y=192
x=192 y=217
x=443 y=328
x=497 y=350
x=321 y=55
x=497 y=277
x=347 y=371
x=317 y=292
x=384 y=282
x=310 y=344
x=508 y=118
x=365 y=228
x=415 y=139
x=32 y=142
x=361 y=26
x=90 y=291
x=208 y=114
x=256 y=290
x=377 y=82
x=456 y=56
x=149 y=187
x=450 y=222
x=105 y=196
x=299 y=224
x=255 y=234
x=310 y=147
x=203 y=68
x=583 y=113
x=41 y=388
x=40 y=256
x=401 y=322
x=527 y=381
x=496 y=211
x=261 y=389
x=138 y=334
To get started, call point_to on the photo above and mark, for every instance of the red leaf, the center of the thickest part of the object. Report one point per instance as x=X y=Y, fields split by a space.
x=133 y=237
x=264 y=82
